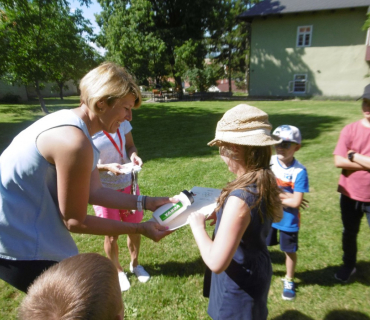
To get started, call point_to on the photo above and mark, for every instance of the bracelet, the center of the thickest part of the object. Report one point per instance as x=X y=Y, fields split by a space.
x=144 y=202
x=139 y=203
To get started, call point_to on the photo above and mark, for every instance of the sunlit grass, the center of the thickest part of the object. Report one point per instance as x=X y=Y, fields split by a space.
x=172 y=140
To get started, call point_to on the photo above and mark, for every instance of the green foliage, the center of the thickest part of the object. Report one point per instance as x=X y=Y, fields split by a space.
x=205 y=77
x=44 y=43
x=10 y=98
x=367 y=23
x=155 y=38
x=128 y=33
x=229 y=40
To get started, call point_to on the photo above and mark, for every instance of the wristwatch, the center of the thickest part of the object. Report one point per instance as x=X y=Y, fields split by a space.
x=350 y=156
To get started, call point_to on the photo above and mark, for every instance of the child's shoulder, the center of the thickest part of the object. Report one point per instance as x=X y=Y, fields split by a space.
x=297 y=164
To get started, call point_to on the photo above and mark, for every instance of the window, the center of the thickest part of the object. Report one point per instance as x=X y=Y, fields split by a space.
x=304 y=35
x=299 y=84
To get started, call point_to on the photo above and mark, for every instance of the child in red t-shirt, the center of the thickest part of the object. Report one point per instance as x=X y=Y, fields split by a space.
x=352 y=155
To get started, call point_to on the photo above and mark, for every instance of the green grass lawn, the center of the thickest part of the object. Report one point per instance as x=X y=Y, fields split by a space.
x=172 y=141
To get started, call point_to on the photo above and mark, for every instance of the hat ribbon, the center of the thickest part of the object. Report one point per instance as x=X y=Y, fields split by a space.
x=245 y=133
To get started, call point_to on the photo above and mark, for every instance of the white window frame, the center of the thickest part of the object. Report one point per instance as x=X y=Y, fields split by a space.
x=304 y=34
x=292 y=84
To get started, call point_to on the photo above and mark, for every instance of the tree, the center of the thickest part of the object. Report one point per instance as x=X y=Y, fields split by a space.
x=146 y=35
x=229 y=41
x=40 y=35
x=205 y=77
x=75 y=56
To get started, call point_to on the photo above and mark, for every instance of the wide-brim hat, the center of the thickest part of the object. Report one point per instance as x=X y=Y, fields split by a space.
x=244 y=125
x=366 y=94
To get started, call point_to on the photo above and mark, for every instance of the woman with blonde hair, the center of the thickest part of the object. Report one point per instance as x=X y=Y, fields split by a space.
x=238 y=256
x=49 y=174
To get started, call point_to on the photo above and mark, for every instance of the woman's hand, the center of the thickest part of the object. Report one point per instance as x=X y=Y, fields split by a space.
x=154 y=230
x=136 y=160
x=153 y=203
x=197 y=220
x=212 y=217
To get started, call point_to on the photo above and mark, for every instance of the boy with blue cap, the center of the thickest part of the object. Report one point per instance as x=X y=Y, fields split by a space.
x=292 y=177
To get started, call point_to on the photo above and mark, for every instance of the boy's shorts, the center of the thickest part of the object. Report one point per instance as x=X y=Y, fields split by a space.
x=120 y=215
x=288 y=240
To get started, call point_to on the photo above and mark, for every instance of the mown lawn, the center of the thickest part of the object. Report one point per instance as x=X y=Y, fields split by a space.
x=172 y=140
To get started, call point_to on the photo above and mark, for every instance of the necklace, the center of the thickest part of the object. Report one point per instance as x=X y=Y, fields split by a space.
x=89 y=121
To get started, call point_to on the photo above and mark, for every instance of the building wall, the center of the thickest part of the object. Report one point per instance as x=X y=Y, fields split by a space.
x=50 y=90
x=14 y=90
x=334 y=63
x=29 y=91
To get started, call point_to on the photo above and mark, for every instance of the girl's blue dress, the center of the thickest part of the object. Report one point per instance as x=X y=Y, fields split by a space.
x=240 y=292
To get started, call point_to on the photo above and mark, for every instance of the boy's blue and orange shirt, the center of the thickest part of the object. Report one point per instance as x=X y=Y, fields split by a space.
x=291 y=179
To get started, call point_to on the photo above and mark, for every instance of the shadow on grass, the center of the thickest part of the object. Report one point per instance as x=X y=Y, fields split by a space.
x=277 y=257
x=325 y=277
x=346 y=315
x=169 y=131
x=292 y=315
x=177 y=269
x=331 y=315
x=9 y=130
x=23 y=115
x=33 y=106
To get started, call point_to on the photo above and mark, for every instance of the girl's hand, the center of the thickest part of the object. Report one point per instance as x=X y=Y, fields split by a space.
x=197 y=220
x=136 y=160
x=212 y=217
x=112 y=167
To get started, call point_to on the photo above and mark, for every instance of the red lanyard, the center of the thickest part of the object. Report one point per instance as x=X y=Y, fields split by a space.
x=114 y=142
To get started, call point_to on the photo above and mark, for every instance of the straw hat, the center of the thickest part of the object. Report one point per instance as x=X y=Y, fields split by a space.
x=244 y=125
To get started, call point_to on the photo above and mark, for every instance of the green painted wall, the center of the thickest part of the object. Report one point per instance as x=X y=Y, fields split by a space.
x=334 y=63
x=6 y=89
x=47 y=91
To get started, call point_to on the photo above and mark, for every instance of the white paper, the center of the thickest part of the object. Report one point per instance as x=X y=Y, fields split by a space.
x=205 y=200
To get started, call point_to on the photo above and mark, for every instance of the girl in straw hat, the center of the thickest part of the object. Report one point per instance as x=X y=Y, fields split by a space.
x=238 y=256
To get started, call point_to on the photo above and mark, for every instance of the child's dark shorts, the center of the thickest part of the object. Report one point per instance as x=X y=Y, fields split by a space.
x=288 y=240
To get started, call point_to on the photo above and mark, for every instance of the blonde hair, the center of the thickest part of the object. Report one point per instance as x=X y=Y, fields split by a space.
x=257 y=163
x=84 y=286
x=109 y=82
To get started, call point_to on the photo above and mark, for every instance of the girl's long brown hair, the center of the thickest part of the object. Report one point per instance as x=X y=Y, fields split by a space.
x=257 y=163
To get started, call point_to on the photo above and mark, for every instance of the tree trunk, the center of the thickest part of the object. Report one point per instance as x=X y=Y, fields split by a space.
x=229 y=71
x=41 y=99
x=178 y=82
x=178 y=85
x=60 y=85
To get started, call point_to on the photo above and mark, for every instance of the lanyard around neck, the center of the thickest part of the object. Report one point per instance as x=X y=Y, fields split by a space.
x=114 y=142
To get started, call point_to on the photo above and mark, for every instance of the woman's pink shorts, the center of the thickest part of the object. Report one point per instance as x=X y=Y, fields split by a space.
x=120 y=215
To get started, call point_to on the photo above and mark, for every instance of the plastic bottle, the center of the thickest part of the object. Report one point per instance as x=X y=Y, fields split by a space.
x=166 y=213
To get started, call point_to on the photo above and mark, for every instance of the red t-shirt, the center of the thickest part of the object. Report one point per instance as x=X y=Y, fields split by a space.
x=354 y=184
